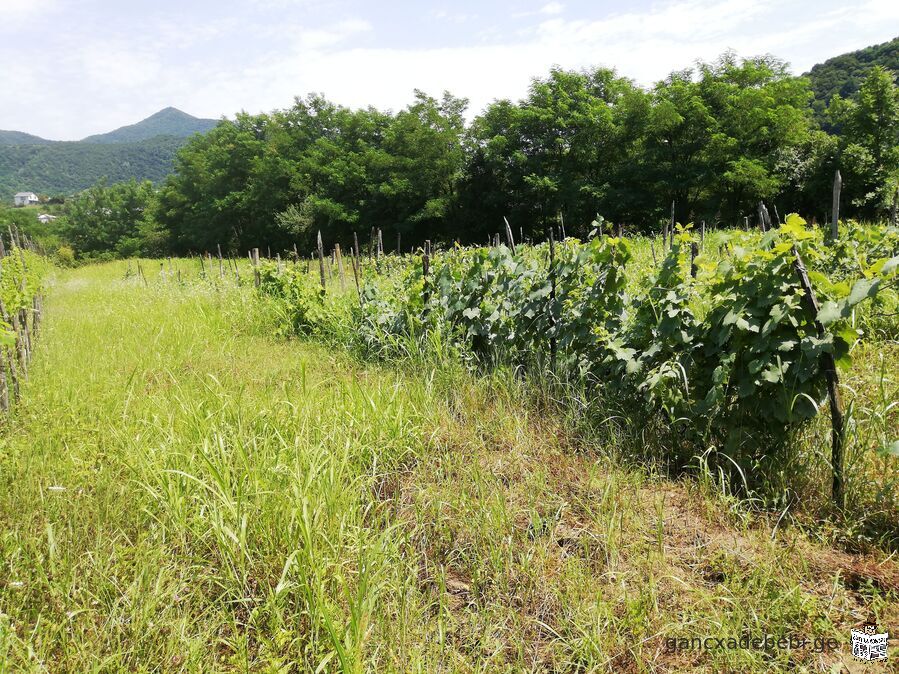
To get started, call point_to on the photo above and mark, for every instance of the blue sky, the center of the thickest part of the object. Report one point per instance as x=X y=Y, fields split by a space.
x=71 y=68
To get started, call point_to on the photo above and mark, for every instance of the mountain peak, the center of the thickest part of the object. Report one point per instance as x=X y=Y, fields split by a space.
x=167 y=122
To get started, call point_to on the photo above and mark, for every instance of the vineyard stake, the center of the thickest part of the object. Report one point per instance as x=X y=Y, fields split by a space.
x=835 y=217
x=254 y=258
x=340 y=266
x=509 y=238
x=221 y=262
x=776 y=215
x=670 y=230
x=552 y=298
x=694 y=251
x=833 y=392
x=380 y=243
x=321 y=261
x=894 y=209
x=356 y=264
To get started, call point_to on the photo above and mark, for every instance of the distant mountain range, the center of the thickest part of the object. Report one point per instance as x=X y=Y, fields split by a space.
x=144 y=151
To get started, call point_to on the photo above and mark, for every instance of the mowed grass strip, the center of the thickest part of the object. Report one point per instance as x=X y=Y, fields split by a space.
x=181 y=492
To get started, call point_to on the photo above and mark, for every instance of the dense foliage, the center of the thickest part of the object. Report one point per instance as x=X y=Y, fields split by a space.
x=843 y=75
x=730 y=358
x=714 y=140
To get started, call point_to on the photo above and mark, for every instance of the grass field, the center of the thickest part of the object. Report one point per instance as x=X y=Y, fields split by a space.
x=181 y=491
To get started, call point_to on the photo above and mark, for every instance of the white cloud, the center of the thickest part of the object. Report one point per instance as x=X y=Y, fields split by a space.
x=552 y=8
x=85 y=84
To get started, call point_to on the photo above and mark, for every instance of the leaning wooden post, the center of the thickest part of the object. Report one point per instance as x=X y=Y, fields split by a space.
x=321 y=261
x=553 y=345
x=562 y=225
x=221 y=261
x=833 y=391
x=776 y=215
x=339 y=266
x=509 y=238
x=761 y=210
x=835 y=216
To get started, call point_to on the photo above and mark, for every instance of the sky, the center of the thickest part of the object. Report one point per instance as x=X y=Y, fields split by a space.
x=71 y=68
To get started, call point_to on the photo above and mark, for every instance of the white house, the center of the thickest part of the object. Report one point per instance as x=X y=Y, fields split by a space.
x=25 y=199
x=44 y=218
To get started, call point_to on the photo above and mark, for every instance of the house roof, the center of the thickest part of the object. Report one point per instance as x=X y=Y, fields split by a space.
x=25 y=194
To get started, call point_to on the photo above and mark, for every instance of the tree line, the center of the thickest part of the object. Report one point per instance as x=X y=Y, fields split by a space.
x=714 y=140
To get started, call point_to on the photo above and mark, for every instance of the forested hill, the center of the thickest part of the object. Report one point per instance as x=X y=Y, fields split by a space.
x=168 y=122
x=844 y=74
x=65 y=168
x=19 y=138
x=143 y=151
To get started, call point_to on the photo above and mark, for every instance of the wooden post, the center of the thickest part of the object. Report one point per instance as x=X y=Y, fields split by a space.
x=380 y=244
x=4 y=391
x=776 y=215
x=355 y=245
x=670 y=230
x=894 y=208
x=702 y=233
x=339 y=266
x=694 y=251
x=321 y=261
x=371 y=245
x=296 y=255
x=746 y=222
x=425 y=268
x=652 y=248
x=835 y=217
x=833 y=391
x=562 y=225
x=140 y=270
x=356 y=263
x=509 y=238
x=553 y=345
x=761 y=210
x=202 y=266
x=254 y=258
x=221 y=262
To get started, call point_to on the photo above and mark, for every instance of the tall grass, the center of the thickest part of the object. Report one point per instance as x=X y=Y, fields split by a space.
x=183 y=491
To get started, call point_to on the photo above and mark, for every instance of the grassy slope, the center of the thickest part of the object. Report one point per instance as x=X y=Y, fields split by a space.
x=181 y=492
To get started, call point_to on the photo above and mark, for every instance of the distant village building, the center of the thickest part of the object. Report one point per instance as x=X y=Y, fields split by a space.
x=44 y=218
x=25 y=199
